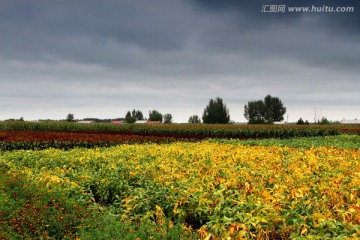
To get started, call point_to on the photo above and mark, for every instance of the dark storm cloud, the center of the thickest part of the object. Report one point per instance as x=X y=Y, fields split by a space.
x=57 y=28
x=174 y=54
x=248 y=15
x=315 y=39
x=129 y=34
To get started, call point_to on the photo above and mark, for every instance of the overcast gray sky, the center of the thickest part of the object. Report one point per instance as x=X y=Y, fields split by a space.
x=102 y=58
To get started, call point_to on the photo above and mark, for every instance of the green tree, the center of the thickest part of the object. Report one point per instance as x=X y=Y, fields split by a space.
x=129 y=118
x=254 y=112
x=70 y=117
x=154 y=115
x=300 y=122
x=133 y=116
x=274 y=109
x=194 y=119
x=168 y=118
x=270 y=110
x=216 y=112
x=137 y=114
x=324 y=121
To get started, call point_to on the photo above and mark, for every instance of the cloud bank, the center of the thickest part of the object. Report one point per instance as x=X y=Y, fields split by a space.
x=103 y=58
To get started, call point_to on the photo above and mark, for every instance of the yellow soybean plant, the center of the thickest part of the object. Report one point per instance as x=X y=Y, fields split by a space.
x=219 y=190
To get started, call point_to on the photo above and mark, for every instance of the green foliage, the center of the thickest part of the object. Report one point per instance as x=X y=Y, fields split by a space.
x=13 y=119
x=216 y=112
x=155 y=115
x=10 y=146
x=194 y=119
x=132 y=117
x=70 y=117
x=340 y=141
x=275 y=109
x=129 y=118
x=168 y=118
x=112 y=228
x=270 y=110
x=254 y=112
x=302 y=122
x=29 y=210
x=324 y=121
x=137 y=114
x=233 y=130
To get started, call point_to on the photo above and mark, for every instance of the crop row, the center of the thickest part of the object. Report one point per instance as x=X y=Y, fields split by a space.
x=200 y=130
x=15 y=140
x=216 y=190
x=339 y=141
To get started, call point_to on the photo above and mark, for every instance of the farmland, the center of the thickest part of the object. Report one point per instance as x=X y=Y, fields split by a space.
x=180 y=182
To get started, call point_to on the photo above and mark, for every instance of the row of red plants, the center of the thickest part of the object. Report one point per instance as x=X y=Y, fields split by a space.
x=96 y=136
x=93 y=137
x=14 y=140
x=350 y=130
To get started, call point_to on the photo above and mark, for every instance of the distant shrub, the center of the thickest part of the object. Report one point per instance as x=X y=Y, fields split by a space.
x=302 y=122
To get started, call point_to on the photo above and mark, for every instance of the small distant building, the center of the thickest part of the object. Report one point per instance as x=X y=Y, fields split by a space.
x=85 y=122
x=280 y=123
x=141 y=121
x=355 y=121
x=147 y=121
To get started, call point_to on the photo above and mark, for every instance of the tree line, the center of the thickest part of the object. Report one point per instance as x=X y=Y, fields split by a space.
x=154 y=115
x=266 y=111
